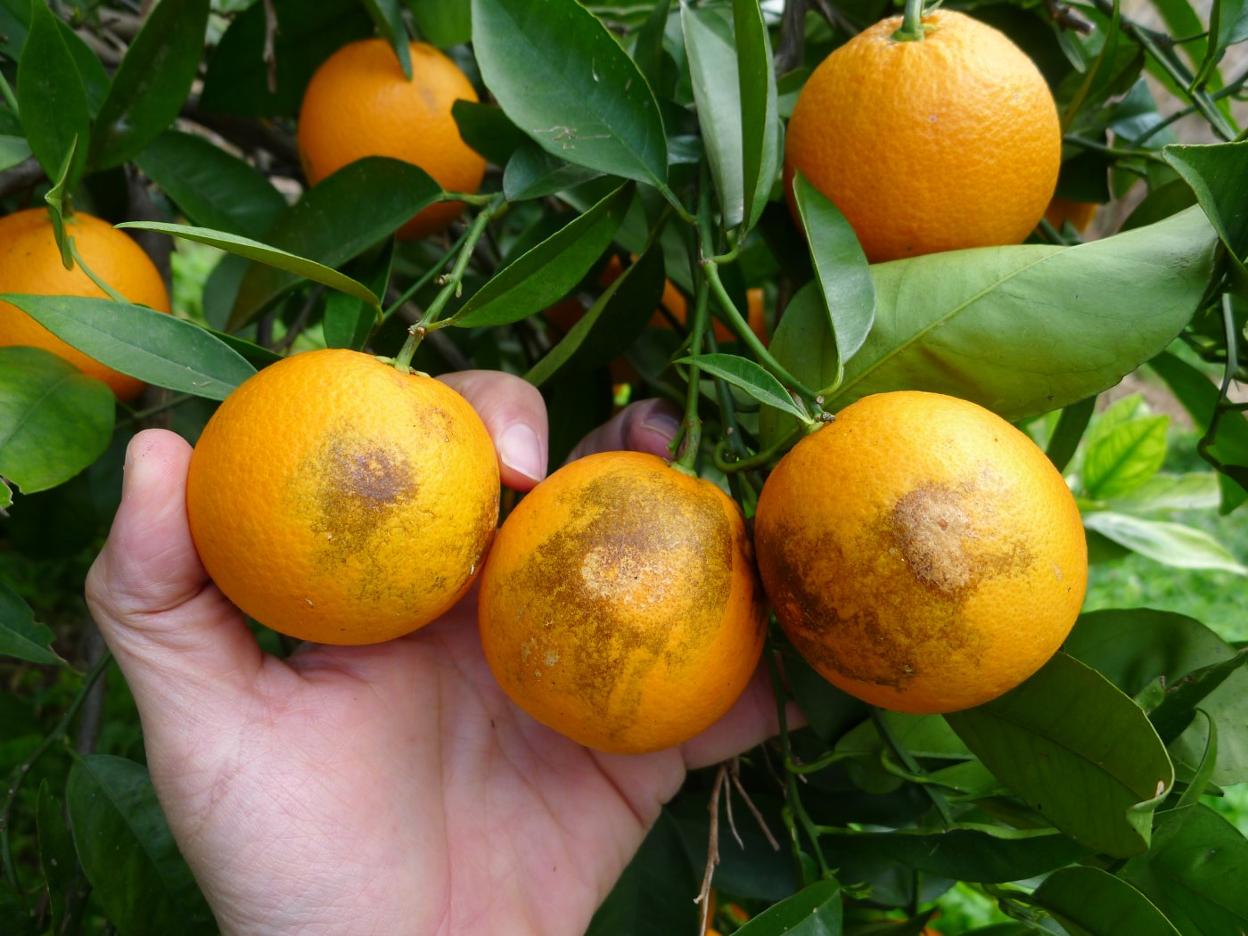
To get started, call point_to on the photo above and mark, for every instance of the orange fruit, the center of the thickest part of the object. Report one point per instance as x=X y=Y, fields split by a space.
x=1079 y=214
x=31 y=263
x=941 y=143
x=921 y=553
x=337 y=500
x=619 y=605
x=360 y=104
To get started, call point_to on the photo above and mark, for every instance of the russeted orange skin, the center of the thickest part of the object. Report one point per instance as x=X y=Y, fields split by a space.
x=337 y=500
x=31 y=263
x=619 y=605
x=360 y=104
x=1078 y=214
x=942 y=143
x=921 y=553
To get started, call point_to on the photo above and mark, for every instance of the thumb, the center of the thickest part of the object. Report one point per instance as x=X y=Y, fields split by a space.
x=173 y=633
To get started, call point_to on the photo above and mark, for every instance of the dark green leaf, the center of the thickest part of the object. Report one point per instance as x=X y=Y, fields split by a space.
x=1092 y=902
x=358 y=206
x=711 y=48
x=128 y=852
x=595 y=109
x=348 y=322
x=1177 y=708
x=840 y=269
x=1069 y=430
x=1195 y=872
x=213 y=188
x=548 y=271
x=20 y=635
x=237 y=81
x=1161 y=203
x=444 y=23
x=1215 y=173
x=252 y=353
x=656 y=891
x=648 y=46
x=51 y=96
x=156 y=348
x=1203 y=775
x=533 y=173
x=1097 y=779
x=54 y=420
x=1172 y=544
x=760 y=123
x=487 y=130
x=388 y=17
x=95 y=79
x=812 y=911
x=152 y=82
x=57 y=858
x=750 y=377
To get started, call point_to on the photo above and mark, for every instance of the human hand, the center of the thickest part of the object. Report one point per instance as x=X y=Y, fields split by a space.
x=391 y=788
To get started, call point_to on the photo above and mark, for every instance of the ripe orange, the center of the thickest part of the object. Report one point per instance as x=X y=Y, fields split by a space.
x=921 y=553
x=619 y=605
x=335 y=499
x=1079 y=214
x=31 y=263
x=360 y=104
x=941 y=143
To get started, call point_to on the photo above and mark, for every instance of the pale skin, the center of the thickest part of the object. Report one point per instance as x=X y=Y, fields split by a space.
x=390 y=789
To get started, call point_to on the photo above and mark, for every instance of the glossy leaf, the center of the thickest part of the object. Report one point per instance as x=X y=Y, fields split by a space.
x=1120 y=459
x=487 y=130
x=54 y=420
x=213 y=188
x=152 y=82
x=348 y=321
x=1092 y=902
x=156 y=348
x=51 y=96
x=237 y=80
x=388 y=17
x=1215 y=173
x=750 y=377
x=1069 y=431
x=357 y=207
x=1172 y=544
x=761 y=131
x=1195 y=872
x=21 y=636
x=1098 y=780
x=1197 y=490
x=595 y=109
x=711 y=49
x=533 y=173
x=1179 y=704
x=444 y=23
x=548 y=271
x=840 y=269
x=813 y=911
x=128 y=852
x=648 y=45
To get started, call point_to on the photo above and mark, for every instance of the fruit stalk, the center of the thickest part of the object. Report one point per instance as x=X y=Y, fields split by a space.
x=911 y=22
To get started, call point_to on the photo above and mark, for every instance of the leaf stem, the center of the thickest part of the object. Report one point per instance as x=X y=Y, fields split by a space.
x=885 y=732
x=911 y=29
x=691 y=430
x=762 y=457
x=452 y=285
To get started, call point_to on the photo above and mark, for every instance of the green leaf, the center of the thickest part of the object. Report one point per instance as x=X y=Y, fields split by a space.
x=533 y=173
x=761 y=131
x=20 y=635
x=1195 y=872
x=57 y=860
x=1178 y=706
x=813 y=911
x=128 y=852
x=348 y=322
x=156 y=348
x=213 y=188
x=254 y=354
x=1068 y=431
x=237 y=80
x=921 y=735
x=1121 y=459
x=1096 y=779
x=595 y=109
x=1021 y=329
x=54 y=420
x=13 y=150
x=655 y=893
x=1203 y=774
x=1172 y=544
x=51 y=96
x=1092 y=902
x=1215 y=172
x=444 y=23
x=6 y=495
x=388 y=17
x=152 y=82
x=750 y=377
x=648 y=44
x=357 y=207
x=840 y=269
x=711 y=49
x=1197 y=490
x=487 y=130
x=548 y=271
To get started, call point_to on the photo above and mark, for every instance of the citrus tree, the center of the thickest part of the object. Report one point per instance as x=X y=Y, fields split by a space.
x=882 y=264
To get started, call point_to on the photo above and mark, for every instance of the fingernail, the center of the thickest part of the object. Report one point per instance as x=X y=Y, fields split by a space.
x=520 y=449
x=664 y=424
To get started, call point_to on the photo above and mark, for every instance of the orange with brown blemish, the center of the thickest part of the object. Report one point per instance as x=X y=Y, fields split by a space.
x=921 y=553
x=620 y=606
x=337 y=500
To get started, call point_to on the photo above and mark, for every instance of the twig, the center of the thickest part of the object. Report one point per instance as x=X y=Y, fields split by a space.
x=93 y=707
x=732 y=822
x=735 y=774
x=712 y=846
x=300 y=322
x=269 y=56
x=140 y=207
x=792 y=44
